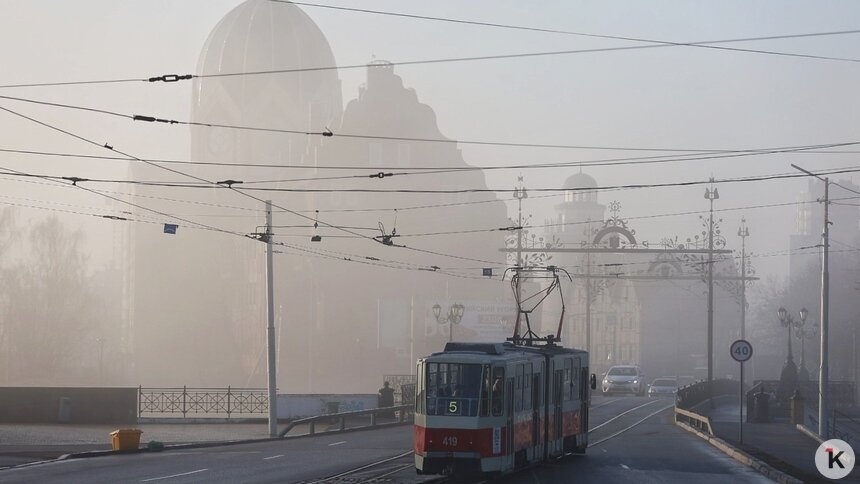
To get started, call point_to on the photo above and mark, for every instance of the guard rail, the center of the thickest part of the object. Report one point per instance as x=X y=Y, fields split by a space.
x=353 y=420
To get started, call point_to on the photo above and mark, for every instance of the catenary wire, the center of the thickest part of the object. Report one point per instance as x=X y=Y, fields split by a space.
x=170 y=78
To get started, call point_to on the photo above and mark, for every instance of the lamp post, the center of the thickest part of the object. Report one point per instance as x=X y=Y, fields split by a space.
x=788 y=378
x=802 y=334
x=711 y=194
x=454 y=316
x=743 y=233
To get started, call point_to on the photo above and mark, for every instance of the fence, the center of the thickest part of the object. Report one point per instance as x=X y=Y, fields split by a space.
x=691 y=395
x=360 y=419
x=404 y=388
x=208 y=401
x=841 y=396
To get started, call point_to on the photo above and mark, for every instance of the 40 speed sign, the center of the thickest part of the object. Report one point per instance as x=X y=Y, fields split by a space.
x=741 y=350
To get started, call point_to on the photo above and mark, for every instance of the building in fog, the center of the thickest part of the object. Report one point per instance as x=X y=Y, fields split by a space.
x=615 y=308
x=197 y=298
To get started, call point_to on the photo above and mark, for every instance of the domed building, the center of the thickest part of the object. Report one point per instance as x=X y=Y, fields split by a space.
x=198 y=309
x=610 y=305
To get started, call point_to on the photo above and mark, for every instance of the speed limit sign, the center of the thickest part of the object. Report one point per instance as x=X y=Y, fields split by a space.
x=741 y=350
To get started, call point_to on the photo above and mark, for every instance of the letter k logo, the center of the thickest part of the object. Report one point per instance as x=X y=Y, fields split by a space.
x=834 y=459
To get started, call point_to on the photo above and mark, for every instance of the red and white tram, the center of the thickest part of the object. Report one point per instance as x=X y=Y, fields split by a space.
x=497 y=407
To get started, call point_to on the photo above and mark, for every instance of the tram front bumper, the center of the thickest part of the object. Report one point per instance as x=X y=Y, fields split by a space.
x=457 y=463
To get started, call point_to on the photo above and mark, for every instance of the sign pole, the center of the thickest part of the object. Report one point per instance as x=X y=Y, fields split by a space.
x=741 y=402
x=741 y=351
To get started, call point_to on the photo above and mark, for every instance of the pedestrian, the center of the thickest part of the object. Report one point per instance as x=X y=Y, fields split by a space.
x=386 y=397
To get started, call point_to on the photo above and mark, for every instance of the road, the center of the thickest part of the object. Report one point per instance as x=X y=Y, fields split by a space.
x=633 y=440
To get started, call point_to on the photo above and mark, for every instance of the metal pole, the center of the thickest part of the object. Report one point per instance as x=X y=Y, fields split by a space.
x=412 y=334
x=744 y=233
x=741 y=402
x=588 y=304
x=711 y=301
x=270 y=329
x=824 y=370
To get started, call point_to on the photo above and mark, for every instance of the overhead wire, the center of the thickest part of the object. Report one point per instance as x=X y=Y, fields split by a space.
x=172 y=78
x=215 y=185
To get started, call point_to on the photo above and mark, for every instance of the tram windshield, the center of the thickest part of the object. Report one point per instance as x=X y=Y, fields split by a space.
x=455 y=389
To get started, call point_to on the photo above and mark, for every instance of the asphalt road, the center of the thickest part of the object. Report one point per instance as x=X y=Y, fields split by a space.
x=633 y=440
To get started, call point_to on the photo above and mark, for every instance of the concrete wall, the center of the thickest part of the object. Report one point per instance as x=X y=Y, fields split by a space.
x=299 y=406
x=83 y=405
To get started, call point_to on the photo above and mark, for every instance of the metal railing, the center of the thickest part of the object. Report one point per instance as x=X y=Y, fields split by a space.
x=691 y=395
x=701 y=423
x=404 y=388
x=206 y=401
x=357 y=419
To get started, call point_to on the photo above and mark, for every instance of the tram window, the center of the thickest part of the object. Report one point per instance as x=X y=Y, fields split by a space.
x=419 y=388
x=566 y=384
x=527 y=392
x=452 y=389
x=498 y=396
x=518 y=389
x=574 y=379
x=485 y=391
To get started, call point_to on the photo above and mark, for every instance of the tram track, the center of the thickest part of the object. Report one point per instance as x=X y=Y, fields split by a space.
x=385 y=470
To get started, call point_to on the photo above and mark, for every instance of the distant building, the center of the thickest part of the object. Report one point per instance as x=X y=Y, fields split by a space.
x=348 y=308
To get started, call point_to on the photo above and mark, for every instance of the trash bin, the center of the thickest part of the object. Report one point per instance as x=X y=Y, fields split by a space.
x=762 y=407
x=332 y=407
x=125 y=439
x=64 y=414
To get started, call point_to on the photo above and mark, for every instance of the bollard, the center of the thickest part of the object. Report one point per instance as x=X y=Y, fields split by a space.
x=797 y=403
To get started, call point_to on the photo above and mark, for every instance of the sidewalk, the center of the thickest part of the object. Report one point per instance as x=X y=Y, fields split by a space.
x=25 y=443
x=778 y=444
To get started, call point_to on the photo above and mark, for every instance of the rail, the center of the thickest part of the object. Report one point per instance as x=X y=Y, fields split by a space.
x=693 y=419
x=356 y=419
x=691 y=395
x=209 y=401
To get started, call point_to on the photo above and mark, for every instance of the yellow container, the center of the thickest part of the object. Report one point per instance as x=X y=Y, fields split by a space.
x=125 y=439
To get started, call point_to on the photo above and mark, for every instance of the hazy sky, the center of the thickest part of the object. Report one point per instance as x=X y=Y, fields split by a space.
x=679 y=97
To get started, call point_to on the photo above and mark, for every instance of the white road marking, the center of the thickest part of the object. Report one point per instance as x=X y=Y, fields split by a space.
x=174 y=475
x=337 y=443
x=273 y=457
x=625 y=467
x=592 y=429
x=630 y=427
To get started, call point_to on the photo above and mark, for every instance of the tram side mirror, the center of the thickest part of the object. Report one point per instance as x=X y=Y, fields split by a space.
x=593 y=381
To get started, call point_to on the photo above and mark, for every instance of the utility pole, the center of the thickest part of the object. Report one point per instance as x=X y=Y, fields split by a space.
x=520 y=193
x=270 y=329
x=711 y=195
x=824 y=368
x=588 y=304
x=743 y=232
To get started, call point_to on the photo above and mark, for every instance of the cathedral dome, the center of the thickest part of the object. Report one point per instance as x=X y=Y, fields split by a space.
x=260 y=35
x=580 y=180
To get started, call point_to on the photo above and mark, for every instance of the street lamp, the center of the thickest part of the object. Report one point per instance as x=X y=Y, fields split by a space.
x=788 y=378
x=454 y=316
x=711 y=194
x=802 y=334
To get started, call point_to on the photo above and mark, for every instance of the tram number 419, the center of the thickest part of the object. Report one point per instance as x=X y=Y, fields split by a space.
x=449 y=441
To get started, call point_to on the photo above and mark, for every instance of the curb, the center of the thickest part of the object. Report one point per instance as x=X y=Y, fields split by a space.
x=744 y=458
x=193 y=445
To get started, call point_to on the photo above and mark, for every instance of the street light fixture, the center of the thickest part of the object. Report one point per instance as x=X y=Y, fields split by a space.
x=788 y=378
x=454 y=316
x=802 y=334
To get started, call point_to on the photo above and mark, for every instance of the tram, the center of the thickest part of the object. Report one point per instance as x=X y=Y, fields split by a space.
x=486 y=408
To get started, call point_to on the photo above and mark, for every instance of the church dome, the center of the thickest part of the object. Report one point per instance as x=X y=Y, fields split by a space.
x=580 y=180
x=260 y=35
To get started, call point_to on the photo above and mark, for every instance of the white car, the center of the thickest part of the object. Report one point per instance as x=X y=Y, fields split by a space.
x=624 y=379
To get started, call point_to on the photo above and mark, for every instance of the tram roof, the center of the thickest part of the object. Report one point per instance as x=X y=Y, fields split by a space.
x=503 y=350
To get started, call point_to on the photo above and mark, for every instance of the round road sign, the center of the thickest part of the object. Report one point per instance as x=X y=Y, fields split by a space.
x=741 y=350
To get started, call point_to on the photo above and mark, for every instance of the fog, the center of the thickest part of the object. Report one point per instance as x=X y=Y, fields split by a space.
x=96 y=293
